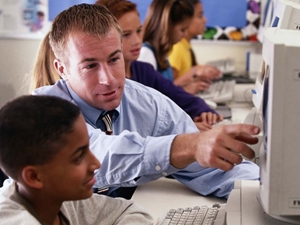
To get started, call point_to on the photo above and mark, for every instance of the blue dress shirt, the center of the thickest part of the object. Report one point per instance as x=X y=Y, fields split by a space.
x=144 y=126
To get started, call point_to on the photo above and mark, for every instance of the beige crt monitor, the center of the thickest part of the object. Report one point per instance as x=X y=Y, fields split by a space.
x=279 y=191
x=283 y=14
x=286 y=14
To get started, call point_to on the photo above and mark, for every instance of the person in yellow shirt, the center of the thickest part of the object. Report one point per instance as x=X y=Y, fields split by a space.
x=182 y=57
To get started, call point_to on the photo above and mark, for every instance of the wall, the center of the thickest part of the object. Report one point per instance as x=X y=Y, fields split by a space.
x=16 y=60
x=17 y=57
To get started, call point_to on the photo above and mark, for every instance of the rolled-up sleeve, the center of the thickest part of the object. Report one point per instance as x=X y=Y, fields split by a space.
x=129 y=159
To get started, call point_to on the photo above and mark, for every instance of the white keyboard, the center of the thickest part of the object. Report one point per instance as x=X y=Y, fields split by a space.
x=219 y=91
x=200 y=215
x=226 y=66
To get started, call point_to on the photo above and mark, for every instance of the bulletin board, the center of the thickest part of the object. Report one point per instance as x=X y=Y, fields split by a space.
x=31 y=18
x=24 y=18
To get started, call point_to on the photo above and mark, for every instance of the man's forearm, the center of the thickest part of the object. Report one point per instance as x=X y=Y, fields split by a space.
x=182 y=150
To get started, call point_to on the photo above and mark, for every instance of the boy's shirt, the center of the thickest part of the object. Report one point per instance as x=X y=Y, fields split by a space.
x=98 y=209
x=14 y=209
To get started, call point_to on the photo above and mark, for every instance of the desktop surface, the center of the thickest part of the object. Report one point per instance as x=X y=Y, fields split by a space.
x=157 y=197
x=243 y=206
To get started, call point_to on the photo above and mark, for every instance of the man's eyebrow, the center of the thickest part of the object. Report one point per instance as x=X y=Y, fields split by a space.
x=94 y=59
x=115 y=52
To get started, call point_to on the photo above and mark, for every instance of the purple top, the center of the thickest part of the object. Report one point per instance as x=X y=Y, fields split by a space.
x=144 y=73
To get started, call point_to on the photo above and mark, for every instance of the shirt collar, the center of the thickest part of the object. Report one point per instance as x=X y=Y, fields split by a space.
x=90 y=113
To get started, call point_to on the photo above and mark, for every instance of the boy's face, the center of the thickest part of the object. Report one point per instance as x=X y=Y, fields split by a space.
x=70 y=174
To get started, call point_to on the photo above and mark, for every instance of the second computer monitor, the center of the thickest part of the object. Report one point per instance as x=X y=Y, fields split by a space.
x=280 y=152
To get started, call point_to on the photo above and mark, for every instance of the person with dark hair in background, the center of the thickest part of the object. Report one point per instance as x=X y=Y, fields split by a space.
x=165 y=24
x=182 y=57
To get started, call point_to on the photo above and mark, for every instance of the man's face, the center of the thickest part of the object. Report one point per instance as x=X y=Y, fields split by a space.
x=94 y=68
x=132 y=35
x=70 y=174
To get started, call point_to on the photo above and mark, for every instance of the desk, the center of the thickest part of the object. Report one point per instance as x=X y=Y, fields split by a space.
x=157 y=197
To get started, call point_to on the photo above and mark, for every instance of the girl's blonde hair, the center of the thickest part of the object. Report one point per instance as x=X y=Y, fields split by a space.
x=43 y=72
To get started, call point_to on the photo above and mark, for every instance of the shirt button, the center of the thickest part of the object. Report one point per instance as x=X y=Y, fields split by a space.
x=158 y=168
x=164 y=173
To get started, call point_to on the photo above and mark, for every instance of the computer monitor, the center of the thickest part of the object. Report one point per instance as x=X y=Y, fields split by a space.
x=287 y=14
x=279 y=191
x=267 y=11
x=284 y=14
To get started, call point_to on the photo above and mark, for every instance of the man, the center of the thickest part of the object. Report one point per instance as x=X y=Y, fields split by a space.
x=152 y=137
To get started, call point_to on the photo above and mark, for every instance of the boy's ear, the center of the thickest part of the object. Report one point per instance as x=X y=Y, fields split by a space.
x=31 y=176
x=59 y=68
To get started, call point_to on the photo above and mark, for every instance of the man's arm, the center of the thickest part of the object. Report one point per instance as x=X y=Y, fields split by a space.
x=220 y=150
x=128 y=159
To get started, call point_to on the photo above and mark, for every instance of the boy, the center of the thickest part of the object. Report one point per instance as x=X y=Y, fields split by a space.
x=44 y=148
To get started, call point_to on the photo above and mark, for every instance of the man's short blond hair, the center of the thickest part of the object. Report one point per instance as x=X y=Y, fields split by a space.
x=90 y=19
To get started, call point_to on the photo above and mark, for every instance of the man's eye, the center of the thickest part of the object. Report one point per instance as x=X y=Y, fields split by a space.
x=115 y=59
x=126 y=35
x=91 y=66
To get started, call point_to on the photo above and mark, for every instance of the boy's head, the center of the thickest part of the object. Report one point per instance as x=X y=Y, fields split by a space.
x=44 y=145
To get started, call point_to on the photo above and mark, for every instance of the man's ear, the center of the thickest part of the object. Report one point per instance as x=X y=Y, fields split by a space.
x=32 y=177
x=60 y=68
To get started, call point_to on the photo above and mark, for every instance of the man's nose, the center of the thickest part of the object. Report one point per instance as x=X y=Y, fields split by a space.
x=104 y=75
